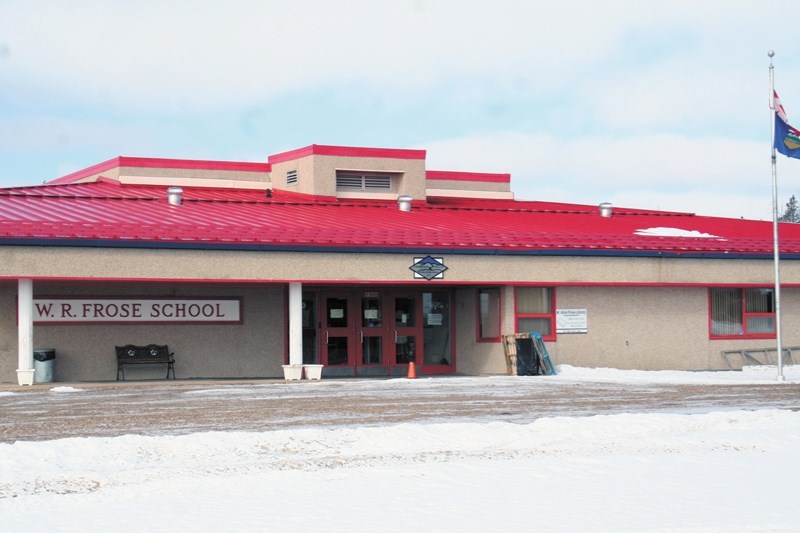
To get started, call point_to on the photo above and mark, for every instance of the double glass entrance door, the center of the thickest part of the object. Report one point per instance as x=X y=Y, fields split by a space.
x=377 y=332
x=370 y=331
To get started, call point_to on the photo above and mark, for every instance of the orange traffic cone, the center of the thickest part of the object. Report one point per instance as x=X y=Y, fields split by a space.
x=412 y=372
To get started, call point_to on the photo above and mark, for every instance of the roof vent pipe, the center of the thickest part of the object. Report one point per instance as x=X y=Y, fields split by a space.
x=605 y=210
x=175 y=196
x=404 y=203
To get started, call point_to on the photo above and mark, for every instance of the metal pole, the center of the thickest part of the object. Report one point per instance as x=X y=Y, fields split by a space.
x=775 y=241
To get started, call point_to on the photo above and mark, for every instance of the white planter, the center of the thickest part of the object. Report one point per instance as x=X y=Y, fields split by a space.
x=292 y=372
x=25 y=377
x=313 y=371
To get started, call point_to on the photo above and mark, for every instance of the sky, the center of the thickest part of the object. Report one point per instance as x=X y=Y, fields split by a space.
x=698 y=472
x=658 y=105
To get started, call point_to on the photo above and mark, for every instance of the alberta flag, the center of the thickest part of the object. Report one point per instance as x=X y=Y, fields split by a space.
x=787 y=138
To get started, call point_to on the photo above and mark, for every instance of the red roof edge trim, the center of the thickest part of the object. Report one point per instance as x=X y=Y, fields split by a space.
x=347 y=151
x=467 y=176
x=193 y=164
x=291 y=155
x=152 y=162
x=108 y=181
x=80 y=174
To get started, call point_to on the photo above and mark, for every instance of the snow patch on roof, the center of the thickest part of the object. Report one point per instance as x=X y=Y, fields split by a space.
x=673 y=232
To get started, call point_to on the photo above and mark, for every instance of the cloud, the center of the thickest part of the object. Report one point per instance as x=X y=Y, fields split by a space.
x=708 y=176
x=35 y=133
x=656 y=105
x=677 y=95
x=173 y=57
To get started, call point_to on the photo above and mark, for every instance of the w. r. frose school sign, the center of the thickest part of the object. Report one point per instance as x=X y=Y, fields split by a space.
x=137 y=310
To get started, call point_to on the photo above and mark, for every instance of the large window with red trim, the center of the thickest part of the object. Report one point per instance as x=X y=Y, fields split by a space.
x=738 y=312
x=535 y=310
x=489 y=316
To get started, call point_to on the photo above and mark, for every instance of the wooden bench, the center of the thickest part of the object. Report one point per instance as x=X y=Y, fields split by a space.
x=144 y=355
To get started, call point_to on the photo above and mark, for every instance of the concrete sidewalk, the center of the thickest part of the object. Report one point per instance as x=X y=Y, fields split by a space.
x=143 y=383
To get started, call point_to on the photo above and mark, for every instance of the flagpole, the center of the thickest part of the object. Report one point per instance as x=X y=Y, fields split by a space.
x=775 y=245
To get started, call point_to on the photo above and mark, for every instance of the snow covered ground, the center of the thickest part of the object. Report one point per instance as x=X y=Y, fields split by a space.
x=734 y=471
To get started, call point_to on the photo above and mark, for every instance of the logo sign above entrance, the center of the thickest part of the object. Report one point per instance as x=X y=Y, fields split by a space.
x=100 y=310
x=428 y=267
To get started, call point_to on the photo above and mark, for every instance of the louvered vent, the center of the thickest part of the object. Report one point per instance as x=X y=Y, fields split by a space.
x=291 y=177
x=383 y=183
x=349 y=181
x=363 y=182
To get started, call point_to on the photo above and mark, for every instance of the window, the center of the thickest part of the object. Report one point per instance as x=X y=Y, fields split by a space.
x=291 y=177
x=351 y=181
x=742 y=312
x=535 y=310
x=437 y=329
x=489 y=314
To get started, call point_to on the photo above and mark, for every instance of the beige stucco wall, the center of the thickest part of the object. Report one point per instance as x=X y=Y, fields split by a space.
x=123 y=263
x=411 y=171
x=631 y=325
x=478 y=358
x=655 y=328
x=9 y=341
x=305 y=176
x=316 y=174
x=186 y=173
x=469 y=185
x=650 y=328
x=137 y=174
x=645 y=328
x=254 y=348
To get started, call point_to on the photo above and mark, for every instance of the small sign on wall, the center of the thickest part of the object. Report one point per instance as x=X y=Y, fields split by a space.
x=572 y=321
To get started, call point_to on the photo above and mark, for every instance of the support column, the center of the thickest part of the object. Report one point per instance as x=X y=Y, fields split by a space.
x=25 y=331
x=295 y=323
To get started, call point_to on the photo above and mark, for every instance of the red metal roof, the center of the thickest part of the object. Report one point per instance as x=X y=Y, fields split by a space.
x=107 y=213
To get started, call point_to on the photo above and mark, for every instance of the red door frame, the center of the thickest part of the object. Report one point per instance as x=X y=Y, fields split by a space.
x=327 y=332
x=389 y=330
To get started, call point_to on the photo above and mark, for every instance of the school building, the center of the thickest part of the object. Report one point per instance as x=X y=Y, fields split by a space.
x=363 y=260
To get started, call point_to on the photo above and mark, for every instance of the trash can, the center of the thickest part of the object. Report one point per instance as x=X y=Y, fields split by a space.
x=43 y=362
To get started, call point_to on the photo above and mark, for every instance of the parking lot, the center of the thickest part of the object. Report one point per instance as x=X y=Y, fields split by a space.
x=59 y=410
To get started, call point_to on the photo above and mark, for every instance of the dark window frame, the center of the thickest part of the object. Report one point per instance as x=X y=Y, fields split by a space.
x=742 y=314
x=551 y=315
